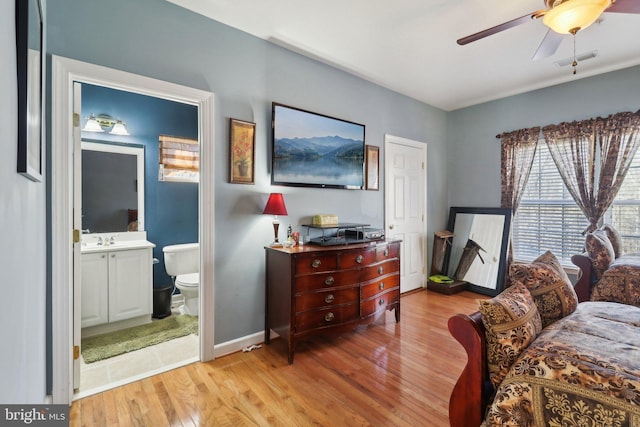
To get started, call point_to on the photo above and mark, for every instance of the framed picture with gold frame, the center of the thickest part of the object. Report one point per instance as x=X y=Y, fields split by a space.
x=242 y=137
x=372 y=172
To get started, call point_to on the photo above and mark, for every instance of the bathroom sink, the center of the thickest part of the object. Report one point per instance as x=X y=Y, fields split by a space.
x=102 y=242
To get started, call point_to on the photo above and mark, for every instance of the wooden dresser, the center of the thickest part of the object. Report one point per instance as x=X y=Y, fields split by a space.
x=313 y=289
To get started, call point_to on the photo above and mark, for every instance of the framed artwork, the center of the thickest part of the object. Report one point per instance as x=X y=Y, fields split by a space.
x=29 y=71
x=242 y=136
x=372 y=167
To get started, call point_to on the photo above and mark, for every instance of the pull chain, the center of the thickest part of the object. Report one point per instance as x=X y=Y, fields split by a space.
x=575 y=62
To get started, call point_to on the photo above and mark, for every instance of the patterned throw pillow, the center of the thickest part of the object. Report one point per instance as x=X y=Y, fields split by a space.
x=512 y=322
x=600 y=251
x=615 y=238
x=549 y=286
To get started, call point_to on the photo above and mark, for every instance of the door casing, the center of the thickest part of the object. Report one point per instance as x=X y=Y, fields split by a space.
x=65 y=71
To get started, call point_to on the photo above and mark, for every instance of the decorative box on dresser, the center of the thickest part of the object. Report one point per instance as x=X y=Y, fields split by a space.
x=314 y=290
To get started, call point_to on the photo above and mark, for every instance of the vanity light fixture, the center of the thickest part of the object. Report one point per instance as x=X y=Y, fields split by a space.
x=104 y=121
x=275 y=206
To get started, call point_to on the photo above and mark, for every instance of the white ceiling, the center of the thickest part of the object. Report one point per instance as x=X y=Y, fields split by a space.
x=409 y=46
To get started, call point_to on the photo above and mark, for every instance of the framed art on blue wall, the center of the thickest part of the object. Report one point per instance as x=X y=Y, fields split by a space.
x=314 y=150
x=29 y=74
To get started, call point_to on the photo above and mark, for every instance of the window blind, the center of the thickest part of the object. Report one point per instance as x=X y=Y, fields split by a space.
x=548 y=218
x=624 y=214
x=179 y=159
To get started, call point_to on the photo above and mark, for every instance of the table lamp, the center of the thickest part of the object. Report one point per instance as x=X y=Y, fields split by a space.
x=275 y=206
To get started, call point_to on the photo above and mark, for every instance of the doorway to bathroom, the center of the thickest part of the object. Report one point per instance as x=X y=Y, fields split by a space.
x=66 y=261
x=133 y=322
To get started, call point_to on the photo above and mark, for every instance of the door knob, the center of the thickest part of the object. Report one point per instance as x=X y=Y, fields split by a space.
x=390 y=226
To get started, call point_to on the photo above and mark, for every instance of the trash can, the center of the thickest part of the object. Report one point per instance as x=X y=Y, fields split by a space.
x=161 y=302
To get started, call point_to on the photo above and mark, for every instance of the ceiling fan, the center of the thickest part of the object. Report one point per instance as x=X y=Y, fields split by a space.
x=562 y=17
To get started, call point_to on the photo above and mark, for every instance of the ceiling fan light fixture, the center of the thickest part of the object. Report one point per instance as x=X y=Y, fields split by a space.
x=573 y=15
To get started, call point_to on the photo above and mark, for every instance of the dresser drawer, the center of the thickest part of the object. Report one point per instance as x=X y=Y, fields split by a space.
x=380 y=286
x=334 y=279
x=380 y=269
x=314 y=263
x=388 y=251
x=327 y=317
x=356 y=259
x=325 y=299
x=380 y=302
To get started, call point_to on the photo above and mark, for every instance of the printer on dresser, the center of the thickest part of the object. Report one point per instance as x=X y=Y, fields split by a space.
x=313 y=289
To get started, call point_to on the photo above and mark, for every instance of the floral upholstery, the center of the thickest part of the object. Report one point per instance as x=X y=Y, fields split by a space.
x=549 y=286
x=583 y=370
x=600 y=251
x=615 y=238
x=621 y=282
x=512 y=322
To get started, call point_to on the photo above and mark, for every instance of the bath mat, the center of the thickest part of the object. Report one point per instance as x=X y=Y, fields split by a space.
x=104 y=346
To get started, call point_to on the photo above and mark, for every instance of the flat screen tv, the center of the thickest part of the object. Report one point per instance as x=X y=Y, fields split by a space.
x=314 y=150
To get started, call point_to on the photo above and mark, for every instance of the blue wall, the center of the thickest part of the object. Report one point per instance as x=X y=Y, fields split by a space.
x=171 y=208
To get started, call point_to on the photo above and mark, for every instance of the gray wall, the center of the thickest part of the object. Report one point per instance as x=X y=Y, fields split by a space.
x=22 y=248
x=473 y=151
x=160 y=40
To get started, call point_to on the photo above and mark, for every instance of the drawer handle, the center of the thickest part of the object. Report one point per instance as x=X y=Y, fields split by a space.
x=329 y=281
x=381 y=287
x=316 y=263
x=359 y=259
x=380 y=270
x=329 y=317
x=329 y=298
x=386 y=252
x=381 y=302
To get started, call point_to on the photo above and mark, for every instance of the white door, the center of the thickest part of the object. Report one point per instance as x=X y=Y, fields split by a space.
x=405 y=206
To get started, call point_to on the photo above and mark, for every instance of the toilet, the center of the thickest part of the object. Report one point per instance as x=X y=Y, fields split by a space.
x=182 y=263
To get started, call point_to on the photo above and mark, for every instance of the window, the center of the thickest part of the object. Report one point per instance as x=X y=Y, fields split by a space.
x=624 y=214
x=547 y=218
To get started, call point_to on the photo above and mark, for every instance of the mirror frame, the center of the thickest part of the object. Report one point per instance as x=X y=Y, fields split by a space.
x=502 y=262
x=135 y=150
x=28 y=14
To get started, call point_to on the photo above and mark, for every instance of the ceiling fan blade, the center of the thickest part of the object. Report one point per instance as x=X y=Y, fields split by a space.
x=625 y=6
x=549 y=45
x=498 y=28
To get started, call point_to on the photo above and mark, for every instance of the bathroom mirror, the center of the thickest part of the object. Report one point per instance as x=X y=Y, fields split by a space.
x=112 y=187
x=478 y=250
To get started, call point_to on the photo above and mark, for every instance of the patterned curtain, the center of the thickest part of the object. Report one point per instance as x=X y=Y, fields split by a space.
x=518 y=151
x=593 y=157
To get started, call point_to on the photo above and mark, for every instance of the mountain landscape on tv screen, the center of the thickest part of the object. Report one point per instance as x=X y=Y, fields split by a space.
x=311 y=148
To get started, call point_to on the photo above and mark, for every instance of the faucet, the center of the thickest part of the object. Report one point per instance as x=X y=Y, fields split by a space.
x=112 y=240
x=87 y=231
x=99 y=241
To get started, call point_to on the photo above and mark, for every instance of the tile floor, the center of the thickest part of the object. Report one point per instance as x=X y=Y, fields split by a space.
x=115 y=371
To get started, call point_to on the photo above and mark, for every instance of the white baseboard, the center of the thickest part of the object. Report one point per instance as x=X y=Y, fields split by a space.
x=237 y=344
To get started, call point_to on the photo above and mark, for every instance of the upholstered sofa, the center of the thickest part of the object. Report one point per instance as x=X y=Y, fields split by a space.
x=538 y=355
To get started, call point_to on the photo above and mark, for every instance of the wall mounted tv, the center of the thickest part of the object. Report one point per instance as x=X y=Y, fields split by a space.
x=314 y=150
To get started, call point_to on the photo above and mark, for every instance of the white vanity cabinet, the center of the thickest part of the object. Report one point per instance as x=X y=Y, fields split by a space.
x=116 y=286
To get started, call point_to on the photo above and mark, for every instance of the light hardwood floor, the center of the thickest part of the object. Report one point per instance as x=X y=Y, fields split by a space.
x=386 y=374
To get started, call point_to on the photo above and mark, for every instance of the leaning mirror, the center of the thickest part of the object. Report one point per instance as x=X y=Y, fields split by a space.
x=112 y=187
x=478 y=250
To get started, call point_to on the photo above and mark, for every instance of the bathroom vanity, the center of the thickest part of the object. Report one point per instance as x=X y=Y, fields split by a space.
x=117 y=287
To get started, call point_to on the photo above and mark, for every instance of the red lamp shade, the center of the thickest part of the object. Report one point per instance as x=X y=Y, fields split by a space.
x=275 y=205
